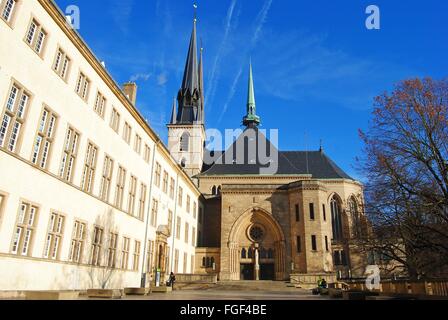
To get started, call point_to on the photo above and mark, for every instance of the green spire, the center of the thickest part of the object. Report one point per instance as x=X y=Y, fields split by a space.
x=251 y=118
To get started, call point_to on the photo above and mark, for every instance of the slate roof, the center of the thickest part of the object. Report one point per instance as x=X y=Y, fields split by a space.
x=315 y=163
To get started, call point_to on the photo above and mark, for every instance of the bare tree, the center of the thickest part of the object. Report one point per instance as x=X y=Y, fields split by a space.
x=406 y=168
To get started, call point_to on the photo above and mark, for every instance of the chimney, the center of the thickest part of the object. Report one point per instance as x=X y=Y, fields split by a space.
x=130 y=90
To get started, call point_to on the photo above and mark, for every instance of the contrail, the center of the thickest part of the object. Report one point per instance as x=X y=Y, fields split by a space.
x=214 y=75
x=259 y=23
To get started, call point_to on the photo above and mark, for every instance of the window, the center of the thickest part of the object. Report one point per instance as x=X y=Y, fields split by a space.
x=44 y=139
x=176 y=260
x=165 y=182
x=193 y=237
x=167 y=260
x=312 y=216
x=100 y=104
x=147 y=153
x=297 y=213
x=185 y=262
x=313 y=243
x=2 y=203
x=188 y=204
x=88 y=175
x=299 y=244
x=119 y=189
x=138 y=144
x=154 y=212
x=170 y=221
x=178 y=222
x=69 y=155
x=195 y=208
x=326 y=244
x=132 y=194
x=25 y=227
x=201 y=215
x=7 y=9
x=356 y=218
x=142 y=201
x=336 y=218
x=150 y=256
x=184 y=142
x=97 y=243
x=108 y=169
x=115 y=120
x=192 y=263
x=36 y=37
x=61 y=64
x=82 y=86
x=125 y=253
x=187 y=229
x=172 y=182
x=112 y=250
x=77 y=244
x=54 y=236
x=158 y=172
x=136 y=259
x=13 y=117
x=324 y=212
x=127 y=131
x=180 y=197
x=340 y=258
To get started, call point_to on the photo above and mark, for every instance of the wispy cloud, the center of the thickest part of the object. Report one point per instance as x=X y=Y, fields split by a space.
x=259 y=24
x=121 y=11
x=215 y=71
x=162 y=79
x=141 y=76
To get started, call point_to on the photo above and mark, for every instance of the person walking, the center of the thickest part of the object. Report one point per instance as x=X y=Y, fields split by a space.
x=172 y=280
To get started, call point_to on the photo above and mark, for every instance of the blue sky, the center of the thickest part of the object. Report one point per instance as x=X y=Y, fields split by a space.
x=316 y=66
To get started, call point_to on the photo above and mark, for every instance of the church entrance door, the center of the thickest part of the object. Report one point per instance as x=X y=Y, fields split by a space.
x=267 y=271
x=247 y=271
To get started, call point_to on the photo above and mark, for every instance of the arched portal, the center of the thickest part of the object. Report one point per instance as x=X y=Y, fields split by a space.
x=256 y=247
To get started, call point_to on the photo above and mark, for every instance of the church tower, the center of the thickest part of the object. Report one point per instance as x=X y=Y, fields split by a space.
x=186 y=131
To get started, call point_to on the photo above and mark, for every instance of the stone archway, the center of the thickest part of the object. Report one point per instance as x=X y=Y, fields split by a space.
x=256 y=248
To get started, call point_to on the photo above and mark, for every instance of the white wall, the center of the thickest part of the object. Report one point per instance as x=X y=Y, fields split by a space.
x=20 y=180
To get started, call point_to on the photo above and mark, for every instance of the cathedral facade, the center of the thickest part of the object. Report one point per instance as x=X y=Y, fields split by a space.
x=297 y=213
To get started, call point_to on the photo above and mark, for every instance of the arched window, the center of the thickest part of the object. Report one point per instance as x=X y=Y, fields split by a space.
x=250 y=253
x=214 y=190
x=183 y=162
x=336 y=218
x=204 y=262
x=243 y=253
x=356 y=218
x=270 y=254
x=208 y=263
x=212 y=262
x=219 y=190
x=185 y=142
x=263 y=253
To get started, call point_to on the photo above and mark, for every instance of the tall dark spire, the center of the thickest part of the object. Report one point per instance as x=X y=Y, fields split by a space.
x=174 y=113
x=190 y=96
x=190 y=81
x=251 y=119
x=201 y=86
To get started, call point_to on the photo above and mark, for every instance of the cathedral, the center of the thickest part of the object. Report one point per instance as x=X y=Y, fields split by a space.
x=294 y=215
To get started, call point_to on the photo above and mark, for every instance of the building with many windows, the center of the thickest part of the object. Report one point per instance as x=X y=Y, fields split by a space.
x=87 y=188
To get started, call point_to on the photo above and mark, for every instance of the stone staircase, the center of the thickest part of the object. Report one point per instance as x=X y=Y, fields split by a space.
x=241 y=286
